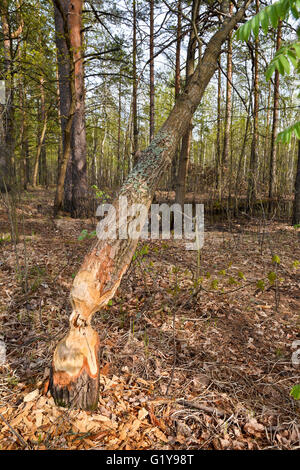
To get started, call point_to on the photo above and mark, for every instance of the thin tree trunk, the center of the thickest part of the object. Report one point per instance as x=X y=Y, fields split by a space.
x=43 y=115
x=177 y=86
x=251 y=196
x=272 y=173
x=227 y=126
x=296 y=207
x=218 y=139
x=135 y=142
x=75 y=368
x=38 y=152
x=266 y=142
x=187 y=138
x=152 y=89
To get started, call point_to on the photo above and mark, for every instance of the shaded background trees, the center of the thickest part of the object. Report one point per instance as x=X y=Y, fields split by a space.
x=120 y=61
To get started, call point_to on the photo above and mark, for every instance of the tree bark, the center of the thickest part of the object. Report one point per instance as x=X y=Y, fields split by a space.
x=43 y=115
x=177 y=86
x=226 y=146
x=7 y=143
x=251 y=196
x=78 y=145
x=135 y=142
x=272 y=172
x=218 y=137
x=71 y=193
x=296 y=207
x=152 y=89
x=75 y=365
x=187 y=138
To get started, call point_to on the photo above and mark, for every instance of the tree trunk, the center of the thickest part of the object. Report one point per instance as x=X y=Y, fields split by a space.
x=135 y=143
x=225 y=155
x=187 y=138
x=75 y=366
x=177 y=86
x=43 y=115
x=78 y=145
x=67 y=95
x=272 y=173
x=251 y=196
x=72 y=182
x=296 y=208
x=218 y=138
x=152 y=89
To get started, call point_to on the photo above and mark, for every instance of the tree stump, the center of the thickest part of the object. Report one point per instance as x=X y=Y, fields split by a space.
x=74 y=373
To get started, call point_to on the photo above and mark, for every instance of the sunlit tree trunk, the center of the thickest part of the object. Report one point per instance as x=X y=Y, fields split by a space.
x=72 y=182
x=272 y=173
x=43 y=115
x=78 y=145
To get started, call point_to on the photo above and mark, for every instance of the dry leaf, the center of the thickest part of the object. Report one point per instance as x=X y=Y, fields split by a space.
x=31 y=396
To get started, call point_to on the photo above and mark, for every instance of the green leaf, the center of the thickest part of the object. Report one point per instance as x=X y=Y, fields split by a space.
x=247 y=30
x=273 y=16
x=270 y=70
x=264 y=19
x=260 y=285
x=285 y=64
x=275 y=259
x=214 y=284
x=231 y=281
x=295 y=392
x=292 y=56
x=286 y=135
x=296 y=46
x=272 y=277
x=294 y=12
x=255 y=26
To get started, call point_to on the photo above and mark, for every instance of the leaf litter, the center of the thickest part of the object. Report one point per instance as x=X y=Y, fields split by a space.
x=193 y=354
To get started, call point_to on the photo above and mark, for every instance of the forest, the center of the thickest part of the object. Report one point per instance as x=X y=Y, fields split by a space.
x=149 y=225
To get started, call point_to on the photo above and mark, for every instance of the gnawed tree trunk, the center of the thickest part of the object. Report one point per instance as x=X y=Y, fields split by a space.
x=75 y=367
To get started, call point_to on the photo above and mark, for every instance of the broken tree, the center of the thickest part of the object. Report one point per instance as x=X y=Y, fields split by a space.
x=74 y=377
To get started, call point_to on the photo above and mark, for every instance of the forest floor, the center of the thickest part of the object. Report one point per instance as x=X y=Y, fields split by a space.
x=185 y=364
